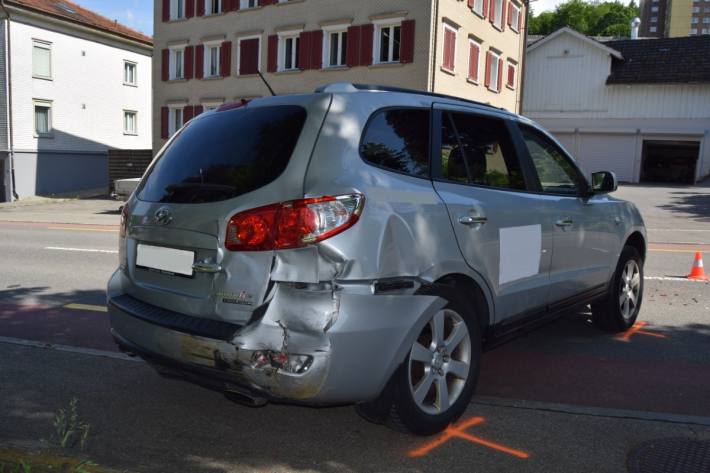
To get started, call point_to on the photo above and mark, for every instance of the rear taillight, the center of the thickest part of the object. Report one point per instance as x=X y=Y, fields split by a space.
x=124 y=221
x=292 y=224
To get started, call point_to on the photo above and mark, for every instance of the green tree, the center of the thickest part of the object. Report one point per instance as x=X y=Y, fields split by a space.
x=594 y=19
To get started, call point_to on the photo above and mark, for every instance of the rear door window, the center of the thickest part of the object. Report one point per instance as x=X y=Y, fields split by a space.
x=398 y=140
x=224 y=155
x=478 y=150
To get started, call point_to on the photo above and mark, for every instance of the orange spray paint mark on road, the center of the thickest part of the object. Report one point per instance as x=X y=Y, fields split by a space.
x=637 y=329
x=459 y=431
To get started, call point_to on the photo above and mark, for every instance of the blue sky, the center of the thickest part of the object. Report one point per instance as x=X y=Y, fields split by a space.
x=136 y=14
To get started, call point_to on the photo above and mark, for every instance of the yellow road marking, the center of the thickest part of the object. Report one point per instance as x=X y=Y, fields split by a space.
x=82 y=229
x=94 y=308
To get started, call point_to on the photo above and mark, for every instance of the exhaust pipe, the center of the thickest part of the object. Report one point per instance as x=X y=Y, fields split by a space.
x=239 y=396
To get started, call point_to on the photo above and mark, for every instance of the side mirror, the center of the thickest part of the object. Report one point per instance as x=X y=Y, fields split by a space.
x=604 y=182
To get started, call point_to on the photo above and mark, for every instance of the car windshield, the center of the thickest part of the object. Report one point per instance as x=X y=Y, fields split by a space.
x=224 y=155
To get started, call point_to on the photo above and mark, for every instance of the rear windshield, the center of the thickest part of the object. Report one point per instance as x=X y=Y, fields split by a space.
x=224 y=155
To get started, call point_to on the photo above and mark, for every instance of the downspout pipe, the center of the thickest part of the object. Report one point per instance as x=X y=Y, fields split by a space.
x=435 y=45
x=8 y=81
x=523 y=57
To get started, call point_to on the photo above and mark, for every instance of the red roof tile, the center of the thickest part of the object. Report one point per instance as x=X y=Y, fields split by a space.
x=70 y=11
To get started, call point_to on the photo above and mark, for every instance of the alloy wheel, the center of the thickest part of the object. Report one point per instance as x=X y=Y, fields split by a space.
x=440 y=362
x=629 y=289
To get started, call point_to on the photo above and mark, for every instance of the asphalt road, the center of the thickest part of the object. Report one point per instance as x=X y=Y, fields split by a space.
x=566 y=397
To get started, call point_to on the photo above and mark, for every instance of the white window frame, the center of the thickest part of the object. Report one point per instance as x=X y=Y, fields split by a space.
x=245 y=4
x=515 y=17
x=706 y=20
x=705 y=31
x=509 y=63
x=207 y=60
x=208 y=7
x=126 y=65
x=50 y=128
x=172 y=63
x=283 y=37
x=654 y=19
x=239 y=52
x=493 y=84
x=174 y=10
x=652 y=29
x=443 y=46
x=38 y=43
x=210 y=105
x=654 y=8
x=471 y=43
x=175 y=114
x=126 y=129
x=478 y=7
x=695 y=9
x=340 y=30
x=377 y=41
x=497 y=14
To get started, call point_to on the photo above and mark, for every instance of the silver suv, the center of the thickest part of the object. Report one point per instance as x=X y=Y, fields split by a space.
x=363 y=244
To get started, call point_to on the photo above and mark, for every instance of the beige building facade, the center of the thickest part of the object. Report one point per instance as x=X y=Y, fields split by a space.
x=674 y=18
x=208 y=52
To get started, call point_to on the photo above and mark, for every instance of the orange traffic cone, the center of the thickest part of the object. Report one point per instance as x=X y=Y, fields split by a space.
x=697 y=272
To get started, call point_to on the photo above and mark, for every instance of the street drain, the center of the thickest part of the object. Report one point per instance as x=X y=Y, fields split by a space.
x=670 y=455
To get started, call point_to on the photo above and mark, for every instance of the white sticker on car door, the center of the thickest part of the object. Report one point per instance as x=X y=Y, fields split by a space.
x=520 y=249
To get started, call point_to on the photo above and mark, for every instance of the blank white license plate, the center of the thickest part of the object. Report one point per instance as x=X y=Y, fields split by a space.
x=168 y=260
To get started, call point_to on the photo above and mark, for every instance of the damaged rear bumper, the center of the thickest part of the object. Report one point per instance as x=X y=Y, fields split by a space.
x=352 y=340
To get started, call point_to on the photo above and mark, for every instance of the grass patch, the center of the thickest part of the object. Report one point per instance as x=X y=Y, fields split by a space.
x=16 y=461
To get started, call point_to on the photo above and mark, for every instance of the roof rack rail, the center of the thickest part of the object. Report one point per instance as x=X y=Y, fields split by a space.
x=352 y=87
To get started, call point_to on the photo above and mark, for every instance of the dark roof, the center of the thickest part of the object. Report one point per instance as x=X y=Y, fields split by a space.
x=683 y=60
x=74 y=13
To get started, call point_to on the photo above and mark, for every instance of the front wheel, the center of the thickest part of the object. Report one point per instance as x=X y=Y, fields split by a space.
x=618 y=312
x=434 y=385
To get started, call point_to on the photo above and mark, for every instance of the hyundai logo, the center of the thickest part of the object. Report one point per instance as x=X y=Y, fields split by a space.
x=163 y=216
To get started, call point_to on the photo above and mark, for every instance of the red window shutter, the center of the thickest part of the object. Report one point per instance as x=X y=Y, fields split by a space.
x=200 y=7
x=199 y=109
x=166 y=10
x=304 y=50
x=272 y=63
x=487 y=77
x=316 y=49
x=164 y=113
x=447 y=49
x=470 y=3
x=510 y=13
x=473 y=63
x=165 y=66
x=406 y=48
x=353 y=52
x=500 y=73
x=189 y=58
x=486 y=5
x=511 y=75
x=520 y=18
x=248 y=56
x=227 y=5
x=492 y=10
x=264 y=3
x=503 y=11
x=366 y=36
x=187 y=113
x=190 y=8
x=225 y=60
x=199 y=61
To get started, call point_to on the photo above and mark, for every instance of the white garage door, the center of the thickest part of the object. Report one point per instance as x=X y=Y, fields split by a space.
x=567 y=140
x=600 y=152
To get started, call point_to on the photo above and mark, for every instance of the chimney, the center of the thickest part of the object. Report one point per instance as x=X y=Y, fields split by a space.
x=635 y=23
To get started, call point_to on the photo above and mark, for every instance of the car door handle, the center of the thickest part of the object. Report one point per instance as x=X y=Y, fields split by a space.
x=470 y=220
x=565 y=222
x=206 y=268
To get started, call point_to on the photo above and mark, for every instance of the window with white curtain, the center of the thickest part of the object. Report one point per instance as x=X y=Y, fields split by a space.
x=130 y=122
x=43 y=118
x=41 y=59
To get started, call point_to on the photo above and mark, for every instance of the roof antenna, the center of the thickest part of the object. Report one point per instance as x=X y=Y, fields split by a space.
x=267 y=84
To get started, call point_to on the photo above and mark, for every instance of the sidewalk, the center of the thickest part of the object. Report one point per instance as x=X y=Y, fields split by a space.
x=95 y=211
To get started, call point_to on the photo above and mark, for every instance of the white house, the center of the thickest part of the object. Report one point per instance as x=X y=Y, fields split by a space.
x=73 y=85
x=640 y=108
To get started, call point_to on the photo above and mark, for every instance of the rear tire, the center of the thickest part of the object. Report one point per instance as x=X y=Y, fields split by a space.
x=434 y=385
x=618 y=312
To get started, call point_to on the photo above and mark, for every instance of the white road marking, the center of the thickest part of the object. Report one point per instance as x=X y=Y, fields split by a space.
x=677 y=230
x=669 y=278
x=71 y=349
x=85 y=250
